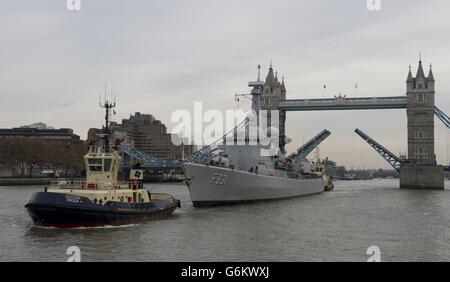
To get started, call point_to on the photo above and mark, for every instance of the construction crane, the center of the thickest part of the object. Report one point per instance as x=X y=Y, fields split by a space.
x=391 y=158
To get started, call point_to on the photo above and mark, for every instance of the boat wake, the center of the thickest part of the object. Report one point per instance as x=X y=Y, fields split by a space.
x=87 y=227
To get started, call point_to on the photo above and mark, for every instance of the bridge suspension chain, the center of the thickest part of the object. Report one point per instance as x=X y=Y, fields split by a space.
x=442 y=116
x=149 y=160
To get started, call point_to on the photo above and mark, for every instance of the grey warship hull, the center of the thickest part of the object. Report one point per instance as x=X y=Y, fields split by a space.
x=212 y=186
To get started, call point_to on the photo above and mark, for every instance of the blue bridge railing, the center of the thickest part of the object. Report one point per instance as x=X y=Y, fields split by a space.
x=148 y=160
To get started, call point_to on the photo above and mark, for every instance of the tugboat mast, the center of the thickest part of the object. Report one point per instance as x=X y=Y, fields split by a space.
x=108 y=107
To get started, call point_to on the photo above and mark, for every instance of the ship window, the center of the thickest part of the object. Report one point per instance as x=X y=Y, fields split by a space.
x=95 y=164
x=107 y=165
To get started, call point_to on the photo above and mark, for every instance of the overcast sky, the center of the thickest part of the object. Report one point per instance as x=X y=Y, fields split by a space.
x=163 y=55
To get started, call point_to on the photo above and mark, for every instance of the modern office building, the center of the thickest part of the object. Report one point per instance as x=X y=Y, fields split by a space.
x=147 y=134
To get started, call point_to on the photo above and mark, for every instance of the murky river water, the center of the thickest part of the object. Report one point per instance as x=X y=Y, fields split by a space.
x=333 y=226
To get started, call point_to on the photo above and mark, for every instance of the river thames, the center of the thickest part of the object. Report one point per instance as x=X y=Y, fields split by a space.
x=333 y=226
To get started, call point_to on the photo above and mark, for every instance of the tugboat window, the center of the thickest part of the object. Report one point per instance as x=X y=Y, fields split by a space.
x=95 y=164
x=107 y=165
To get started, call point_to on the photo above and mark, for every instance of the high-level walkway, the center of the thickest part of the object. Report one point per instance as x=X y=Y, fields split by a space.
x=344 y=103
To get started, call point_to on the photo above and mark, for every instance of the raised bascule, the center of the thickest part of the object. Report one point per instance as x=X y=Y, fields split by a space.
x=419 y=170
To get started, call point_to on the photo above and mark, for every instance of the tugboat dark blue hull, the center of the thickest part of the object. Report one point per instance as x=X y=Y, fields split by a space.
x=69 y=211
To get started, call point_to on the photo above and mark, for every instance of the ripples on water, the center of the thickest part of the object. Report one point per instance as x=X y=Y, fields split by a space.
x=333 y=226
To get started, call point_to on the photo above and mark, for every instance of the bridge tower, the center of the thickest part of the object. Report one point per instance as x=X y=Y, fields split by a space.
x=420 y=170
x=274 y=91
x=420 y=110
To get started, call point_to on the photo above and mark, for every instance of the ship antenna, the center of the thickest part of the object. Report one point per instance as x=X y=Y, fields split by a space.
x=105 y=92
x=259 y=72
x=108 y=106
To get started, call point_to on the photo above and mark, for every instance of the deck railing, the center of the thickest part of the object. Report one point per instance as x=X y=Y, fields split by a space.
x=81 y=184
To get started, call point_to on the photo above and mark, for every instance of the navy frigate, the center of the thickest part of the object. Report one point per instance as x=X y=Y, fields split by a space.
x=223 y=173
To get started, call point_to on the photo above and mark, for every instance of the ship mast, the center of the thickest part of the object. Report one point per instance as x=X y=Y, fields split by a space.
x=108 y=106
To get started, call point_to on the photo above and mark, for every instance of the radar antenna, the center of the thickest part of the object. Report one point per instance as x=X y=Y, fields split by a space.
x=108 y=106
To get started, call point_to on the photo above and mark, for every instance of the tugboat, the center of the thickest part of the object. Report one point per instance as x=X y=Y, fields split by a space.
x=100 y=200
x=320 y=168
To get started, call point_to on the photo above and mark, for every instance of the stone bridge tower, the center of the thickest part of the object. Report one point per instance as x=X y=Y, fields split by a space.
x=420 y=110
x=420 y=170
x=274 y=91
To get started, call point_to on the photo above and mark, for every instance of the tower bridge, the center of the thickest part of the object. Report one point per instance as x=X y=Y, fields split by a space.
x=419 y=170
